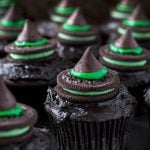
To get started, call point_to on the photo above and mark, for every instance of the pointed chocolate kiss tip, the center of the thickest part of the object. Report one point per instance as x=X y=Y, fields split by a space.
x=77 y=18
x=65 y=3
x=138 y=14
x=88 y=62
x=129 y=2
x=126 y=41
x=7 y=100
x=29 y=33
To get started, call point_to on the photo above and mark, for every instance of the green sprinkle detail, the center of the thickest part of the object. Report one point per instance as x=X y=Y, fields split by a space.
x=76 y=27
x=64 y=11
x=135 y=34
x=90 y=93
x=136 y=51
x=125 y=63
x=8 y=23
x=137 y=23
x=90 y=76
x=31 y=44
x=125 y=8
x=32 y=56
x=58 y=19
x=11 y=112
x=14 y=132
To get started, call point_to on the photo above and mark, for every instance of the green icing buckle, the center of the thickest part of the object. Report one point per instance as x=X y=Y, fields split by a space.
x=126 y=8
x=11 y=112
x=136 y=51
x=40 y=42
x=65 y=11
x=76 y=27
x=8 y=23
x=137 y=23
x=90 y=76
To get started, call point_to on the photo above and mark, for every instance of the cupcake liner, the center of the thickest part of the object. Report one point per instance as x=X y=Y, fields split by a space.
x=108 y=135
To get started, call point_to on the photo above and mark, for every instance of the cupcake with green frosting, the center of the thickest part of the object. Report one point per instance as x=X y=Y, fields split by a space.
x=58 y=16
x=89 y=97
x=131 y=61
x=31 y=66
x=140 y=25
x=75 y=36
x=10 y=26
x=121 y=11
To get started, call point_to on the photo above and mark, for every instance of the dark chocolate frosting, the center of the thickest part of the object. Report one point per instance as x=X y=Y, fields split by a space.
x=125 y=54
x=86 y=84
x=139 y=23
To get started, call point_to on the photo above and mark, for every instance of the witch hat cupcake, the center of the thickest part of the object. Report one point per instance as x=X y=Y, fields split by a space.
x=62 y=11
x=16 y=120
x=130 y=61
x=140 y=25
x=87 y=96
x=75 y=35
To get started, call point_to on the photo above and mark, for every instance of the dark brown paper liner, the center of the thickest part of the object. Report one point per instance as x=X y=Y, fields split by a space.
x=108 y=135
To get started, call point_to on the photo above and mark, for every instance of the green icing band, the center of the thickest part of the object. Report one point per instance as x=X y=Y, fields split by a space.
x=11 y=112
x=136 y=51
x=64 y=11
x=76 y=27
x=90 y=75
x=119 y=15
x=14 y=132
x=6 y=3
x=137 y=23
x=135 y=34
x=8 y=23
x=31 y=44
x=125 y=8
x=32 y=56
x=90 y=93
x=78 y=39
x=125 y=63
x=58 y=19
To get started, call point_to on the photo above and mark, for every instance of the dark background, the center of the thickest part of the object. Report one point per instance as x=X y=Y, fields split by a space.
x=94 y=10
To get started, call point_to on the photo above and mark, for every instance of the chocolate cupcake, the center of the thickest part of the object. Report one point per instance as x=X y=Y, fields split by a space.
x=122 y=10
x=58 y=16
x=10 y=26
x=75 y=36
x=130 y=61
x=31 y=65
x=140 y=25
x=89 y=107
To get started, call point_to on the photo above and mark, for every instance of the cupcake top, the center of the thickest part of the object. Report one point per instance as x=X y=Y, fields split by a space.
x=125 y=54
x=77 y=31
x=30 y=45
x=16 y=120
x=11 y=24
x=88 y=81
x=62 y=11
x=123 y=9
x=139 y=23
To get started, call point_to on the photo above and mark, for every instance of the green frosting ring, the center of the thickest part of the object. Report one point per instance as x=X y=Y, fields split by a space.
x=64 y=11
x=76 y=27
x=78 y=39
x=97 y=75
x=14 y=132
x=40 y=42
x=58 y=19
x=125 y=63
x=135 y=34
x=11 y=112
x=125 y=8
x=136 y=51
x=90 y=93
x=8 y=23
x=137 y=23
x=6 y=3
x=32 y=56
x=119 y=15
